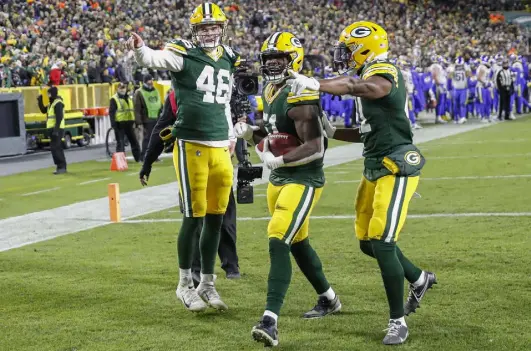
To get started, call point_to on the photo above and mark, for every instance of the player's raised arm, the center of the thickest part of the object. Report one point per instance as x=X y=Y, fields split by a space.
x=168 y=59
x=375 y=87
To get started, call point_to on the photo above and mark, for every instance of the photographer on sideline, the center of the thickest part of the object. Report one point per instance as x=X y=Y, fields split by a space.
x=227 y=244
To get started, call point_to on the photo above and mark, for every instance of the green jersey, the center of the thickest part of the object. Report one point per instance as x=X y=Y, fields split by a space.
x=385 y=123
x=276 y=120
x=203 y=91
x=385 y=128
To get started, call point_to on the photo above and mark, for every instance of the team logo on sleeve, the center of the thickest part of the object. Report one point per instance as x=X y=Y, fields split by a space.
x=413 y=158
x=360 y=32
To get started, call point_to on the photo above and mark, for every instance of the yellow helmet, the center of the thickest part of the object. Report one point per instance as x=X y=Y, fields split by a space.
x=359 y=43
x=207 y=14
x=280 y=45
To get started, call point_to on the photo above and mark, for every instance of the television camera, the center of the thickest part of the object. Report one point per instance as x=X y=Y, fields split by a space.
x=245 y=83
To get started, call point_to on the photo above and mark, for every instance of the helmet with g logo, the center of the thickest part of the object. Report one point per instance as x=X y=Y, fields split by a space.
x=207 y=14
x=359 y=43
x=280 y=44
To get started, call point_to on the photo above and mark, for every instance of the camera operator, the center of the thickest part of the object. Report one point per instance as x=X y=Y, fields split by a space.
x=162 y=140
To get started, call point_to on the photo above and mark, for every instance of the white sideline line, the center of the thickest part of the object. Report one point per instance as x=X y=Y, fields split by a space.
x=414 y=216
x=94 y=181
x=476 y=156
x=456 y=178
x=41 y=191
x=473 y=142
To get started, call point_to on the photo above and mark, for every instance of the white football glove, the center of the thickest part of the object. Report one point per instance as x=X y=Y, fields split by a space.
x=271 y=161
x=244 y=131
x=299 y=83
x=327 y=126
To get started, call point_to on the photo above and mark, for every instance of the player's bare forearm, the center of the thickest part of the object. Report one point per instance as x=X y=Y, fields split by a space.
x=351 y=135
x=309 y=129
x=373 y=88
x=304 y=151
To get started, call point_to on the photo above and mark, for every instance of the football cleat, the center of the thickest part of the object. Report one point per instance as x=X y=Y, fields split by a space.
x=190 y=298
x=417 y=293
x=266 y=332
x=397 y=333
x=324 y=307
x=207 y=291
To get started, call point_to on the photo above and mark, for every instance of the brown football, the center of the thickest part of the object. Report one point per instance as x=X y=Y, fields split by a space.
x=280 y=143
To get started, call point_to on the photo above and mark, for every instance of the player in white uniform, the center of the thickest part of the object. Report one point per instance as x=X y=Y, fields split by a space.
x=405 y=67
x=459 y=74
x=483 y=89
x=440 y=81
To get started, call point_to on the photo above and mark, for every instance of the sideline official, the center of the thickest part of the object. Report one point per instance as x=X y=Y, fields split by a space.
x=227 y=245
x=148 y=106
x=55 y=127
x=505 y=85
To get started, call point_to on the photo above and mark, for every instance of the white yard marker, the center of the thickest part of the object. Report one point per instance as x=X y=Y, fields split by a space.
x=340 y=217
x=456 y=178
x=94 y=181
x=41 y=191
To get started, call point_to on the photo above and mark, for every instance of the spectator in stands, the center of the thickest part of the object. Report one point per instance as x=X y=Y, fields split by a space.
x=56 y=73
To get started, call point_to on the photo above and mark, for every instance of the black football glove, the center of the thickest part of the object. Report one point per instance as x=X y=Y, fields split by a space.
x=144 y=174
x=167 y=138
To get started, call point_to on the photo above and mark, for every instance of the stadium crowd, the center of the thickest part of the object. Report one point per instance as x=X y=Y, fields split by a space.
x=80 y=42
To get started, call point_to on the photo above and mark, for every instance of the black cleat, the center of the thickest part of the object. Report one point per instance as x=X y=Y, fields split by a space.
x=266 y=332
x=416 y=294
x=323 y=308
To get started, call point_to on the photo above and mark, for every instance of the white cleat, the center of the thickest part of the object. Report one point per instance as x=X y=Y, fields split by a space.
x=512 y=117
x=207 y=291
x=440 y=120
x=190 y=298
x=486 y=120
x=416 y=126
x=461 y=120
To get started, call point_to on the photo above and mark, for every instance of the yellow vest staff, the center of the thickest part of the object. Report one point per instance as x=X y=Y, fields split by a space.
x=124 y=110
x=50 y=120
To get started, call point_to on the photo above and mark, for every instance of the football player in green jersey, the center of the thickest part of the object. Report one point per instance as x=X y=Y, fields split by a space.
x=201 y=73
x=392 y=162
x=295 y=184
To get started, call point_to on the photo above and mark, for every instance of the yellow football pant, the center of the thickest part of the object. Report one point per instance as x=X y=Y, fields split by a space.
x=290 y=207
x=205 y=177
x=381 y=207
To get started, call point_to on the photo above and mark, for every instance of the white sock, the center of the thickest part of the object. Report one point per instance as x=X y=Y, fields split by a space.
x=421 y=280
x=208 y=278
x=329 y=294
x=185 y=276
x=271 y=314
x=402 y=320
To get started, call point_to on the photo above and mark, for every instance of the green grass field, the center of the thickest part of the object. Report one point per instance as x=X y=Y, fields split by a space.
x=113 y=287
x=26 y=192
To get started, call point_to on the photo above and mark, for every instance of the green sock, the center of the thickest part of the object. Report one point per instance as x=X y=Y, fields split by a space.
x=186 y=240
x=392 y=275
x=279 y=275
x=366 y=248
x=411 y=272
x=209 y=242
x=310 y=265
